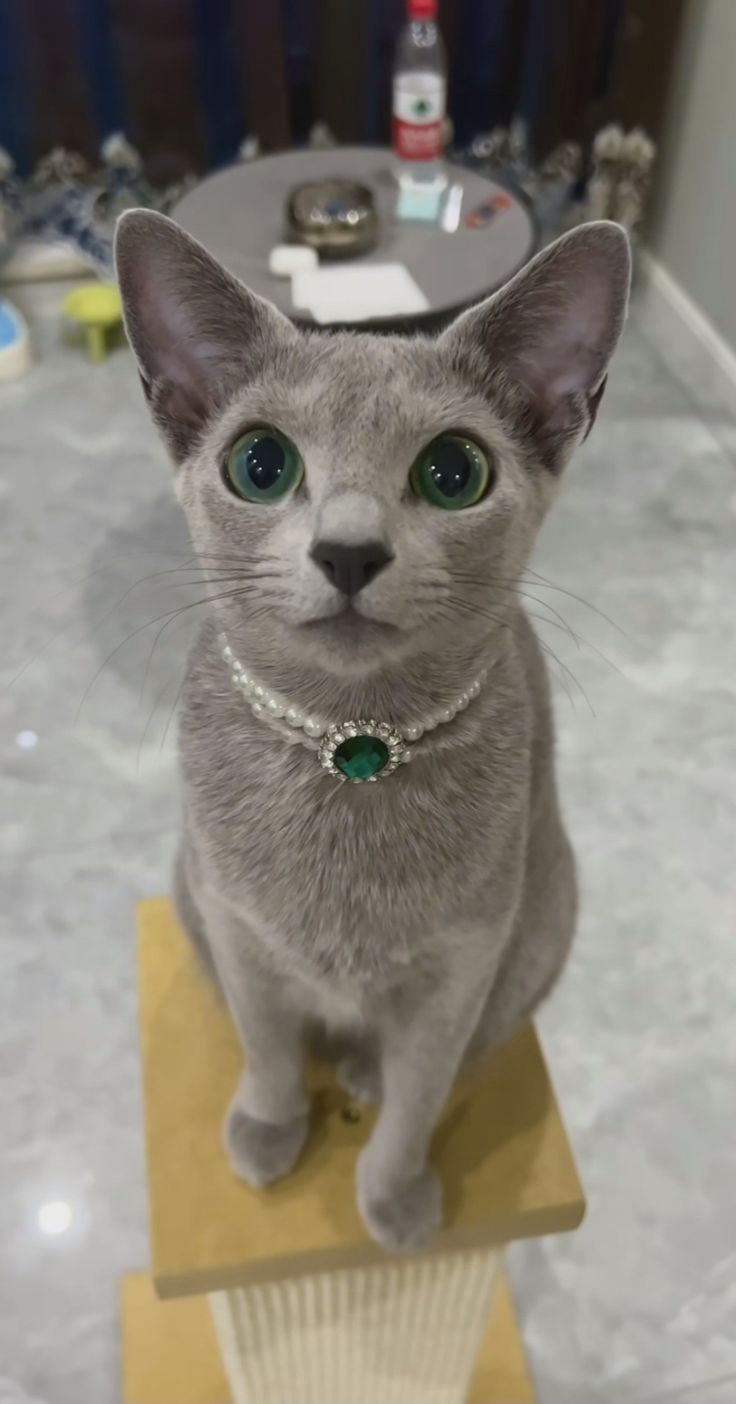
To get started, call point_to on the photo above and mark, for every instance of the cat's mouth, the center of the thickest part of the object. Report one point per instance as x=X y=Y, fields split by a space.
x=350 y=624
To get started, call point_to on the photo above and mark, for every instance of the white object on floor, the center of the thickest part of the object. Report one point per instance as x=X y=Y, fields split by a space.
x=25 y=741
x=287 y=259
x=358 y=292
x=54 y=1218
x=15 y=343
x=42 y=258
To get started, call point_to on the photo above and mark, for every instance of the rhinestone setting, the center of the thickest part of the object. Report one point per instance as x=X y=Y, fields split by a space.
x=366 y=764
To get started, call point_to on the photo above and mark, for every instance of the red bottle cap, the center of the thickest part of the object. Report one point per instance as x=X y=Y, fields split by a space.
x=422 y=9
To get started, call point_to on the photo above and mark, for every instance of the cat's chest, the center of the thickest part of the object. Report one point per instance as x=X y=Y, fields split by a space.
x=355 y=877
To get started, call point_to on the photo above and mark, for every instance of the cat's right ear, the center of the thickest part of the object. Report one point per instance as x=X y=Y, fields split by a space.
x=196 y=332
x=551 y=332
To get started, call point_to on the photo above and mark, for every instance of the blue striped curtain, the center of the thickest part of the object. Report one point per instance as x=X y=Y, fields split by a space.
x=188 y=80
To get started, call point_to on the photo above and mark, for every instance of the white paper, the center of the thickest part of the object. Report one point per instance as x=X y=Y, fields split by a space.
x=358 y=292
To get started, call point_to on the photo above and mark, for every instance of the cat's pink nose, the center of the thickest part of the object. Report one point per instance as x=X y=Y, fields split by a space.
x=351 y=568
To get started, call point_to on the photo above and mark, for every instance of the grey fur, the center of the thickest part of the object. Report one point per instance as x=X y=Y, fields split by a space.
x=418 y=920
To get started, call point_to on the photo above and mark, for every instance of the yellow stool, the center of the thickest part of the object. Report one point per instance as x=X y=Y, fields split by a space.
x=279 y=1296
x=97 y=309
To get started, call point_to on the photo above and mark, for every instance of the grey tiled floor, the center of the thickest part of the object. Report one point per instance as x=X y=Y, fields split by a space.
x=641 y=1303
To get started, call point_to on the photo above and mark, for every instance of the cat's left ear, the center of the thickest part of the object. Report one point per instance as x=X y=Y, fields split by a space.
x=549 y=334
x=197 y=333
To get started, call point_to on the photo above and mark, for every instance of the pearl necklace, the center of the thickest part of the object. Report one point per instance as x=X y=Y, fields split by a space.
x=362 y=750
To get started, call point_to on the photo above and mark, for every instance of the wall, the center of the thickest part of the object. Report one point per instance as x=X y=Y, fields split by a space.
x=693 y=223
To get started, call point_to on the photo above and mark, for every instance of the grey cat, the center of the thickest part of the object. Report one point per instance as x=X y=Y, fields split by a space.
x=363 y=506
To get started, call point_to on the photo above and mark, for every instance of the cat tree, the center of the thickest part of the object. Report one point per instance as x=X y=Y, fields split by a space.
x=279 y=1296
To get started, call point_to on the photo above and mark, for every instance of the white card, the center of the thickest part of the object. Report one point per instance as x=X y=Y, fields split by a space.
x=358 y=292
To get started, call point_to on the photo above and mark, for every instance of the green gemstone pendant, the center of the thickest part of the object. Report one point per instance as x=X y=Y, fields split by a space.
x=361 y=757
x=362 y=751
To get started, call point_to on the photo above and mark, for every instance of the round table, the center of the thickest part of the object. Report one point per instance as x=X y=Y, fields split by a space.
x=238 y=214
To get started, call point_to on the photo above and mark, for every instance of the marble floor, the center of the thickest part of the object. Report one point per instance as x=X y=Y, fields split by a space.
x=640 y=1305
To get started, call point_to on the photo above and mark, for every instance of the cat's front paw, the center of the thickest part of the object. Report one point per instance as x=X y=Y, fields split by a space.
x=261 y=1152
x=400 y=1217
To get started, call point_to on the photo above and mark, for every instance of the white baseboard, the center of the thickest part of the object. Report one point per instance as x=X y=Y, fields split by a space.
x=694 y=350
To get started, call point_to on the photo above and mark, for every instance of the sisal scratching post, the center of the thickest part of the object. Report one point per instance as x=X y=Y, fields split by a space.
x=394 y=1332
x=278 y=1296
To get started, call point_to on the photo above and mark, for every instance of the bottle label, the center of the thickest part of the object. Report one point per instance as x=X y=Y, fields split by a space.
x=422 y=9
x=419 y=107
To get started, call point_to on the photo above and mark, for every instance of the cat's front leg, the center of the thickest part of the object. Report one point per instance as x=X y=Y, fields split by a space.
x=268 y=1120
x=422 y=1047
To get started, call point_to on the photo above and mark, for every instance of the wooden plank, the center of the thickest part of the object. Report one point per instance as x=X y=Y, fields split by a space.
x=501 y=1147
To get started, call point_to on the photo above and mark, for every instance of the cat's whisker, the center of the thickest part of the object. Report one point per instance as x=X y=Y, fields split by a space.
x=454 y=604
x=159 y=696
x=223 y=580
x=542 y=583
x=551 y=654
x=243 y=574
x=561 y=679
x=231 y=579
x=109 y=569
x=562 y=623
x=539 y=582
x=475 y=609
x=149 y=660
x=450 y=602
x=579 y=639
x=172 y=713
x=191 y=561
x=59 y=633
x=169 y=614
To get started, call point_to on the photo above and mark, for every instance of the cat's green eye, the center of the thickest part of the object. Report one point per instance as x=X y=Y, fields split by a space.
x=452 y=472
x=263 y=465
